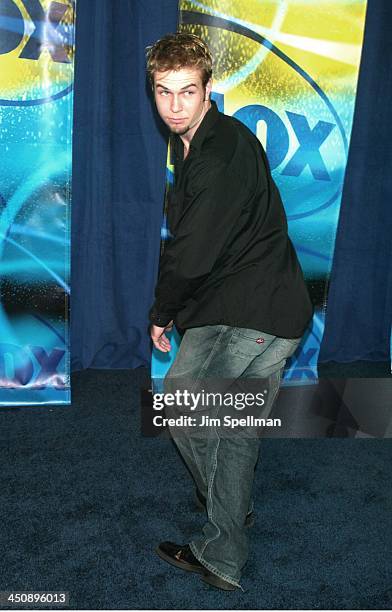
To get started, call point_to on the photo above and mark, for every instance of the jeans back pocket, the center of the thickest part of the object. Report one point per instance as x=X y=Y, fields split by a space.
x=247 y=343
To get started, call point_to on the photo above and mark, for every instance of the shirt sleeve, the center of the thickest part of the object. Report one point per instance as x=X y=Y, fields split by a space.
x=214 y=198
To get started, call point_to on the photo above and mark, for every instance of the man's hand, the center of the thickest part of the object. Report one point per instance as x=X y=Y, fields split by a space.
x=159 y=338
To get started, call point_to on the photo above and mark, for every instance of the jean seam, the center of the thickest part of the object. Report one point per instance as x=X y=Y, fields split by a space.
x=209 y=496
x=196 y=460
x=211 y=568
x=278 y=375
x=201 y=371
x=210 y=356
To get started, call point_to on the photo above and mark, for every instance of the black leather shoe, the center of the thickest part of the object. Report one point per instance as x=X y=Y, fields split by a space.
x=183 y=558
x=180 y=556
x=201 y=506
x=217 y=582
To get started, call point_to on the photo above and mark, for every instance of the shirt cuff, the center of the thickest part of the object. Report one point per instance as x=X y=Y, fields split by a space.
x=159 y=318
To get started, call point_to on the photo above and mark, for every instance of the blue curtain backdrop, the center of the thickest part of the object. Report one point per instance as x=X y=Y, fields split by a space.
x=118 y=182
x=359 y=311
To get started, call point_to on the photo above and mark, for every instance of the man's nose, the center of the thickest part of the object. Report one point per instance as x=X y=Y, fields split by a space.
x=176 y=104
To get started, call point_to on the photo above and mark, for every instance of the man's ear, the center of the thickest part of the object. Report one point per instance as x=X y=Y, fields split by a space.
x=208 y=90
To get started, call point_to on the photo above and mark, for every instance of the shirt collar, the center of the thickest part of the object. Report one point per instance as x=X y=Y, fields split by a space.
x=209 y=119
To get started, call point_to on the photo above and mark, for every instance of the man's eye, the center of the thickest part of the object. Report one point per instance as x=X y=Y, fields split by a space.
x=189 y=93
x=164 y=93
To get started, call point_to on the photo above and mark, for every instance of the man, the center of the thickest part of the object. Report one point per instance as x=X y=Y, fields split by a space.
x=230 y=279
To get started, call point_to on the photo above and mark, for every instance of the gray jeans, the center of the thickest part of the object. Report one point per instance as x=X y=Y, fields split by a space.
x=222 y=460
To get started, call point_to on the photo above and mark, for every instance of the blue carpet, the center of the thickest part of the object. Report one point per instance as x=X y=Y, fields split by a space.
x=85 y=499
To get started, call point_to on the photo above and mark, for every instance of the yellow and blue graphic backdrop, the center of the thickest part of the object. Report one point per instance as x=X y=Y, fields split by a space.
x=288 y=69
x=36 y=81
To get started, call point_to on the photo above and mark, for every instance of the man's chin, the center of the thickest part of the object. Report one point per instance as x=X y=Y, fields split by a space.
x=180 y=130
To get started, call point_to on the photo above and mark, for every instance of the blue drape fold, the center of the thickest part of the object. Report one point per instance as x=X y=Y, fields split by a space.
x=359 y=312
x=118 y=182
x=118 y=188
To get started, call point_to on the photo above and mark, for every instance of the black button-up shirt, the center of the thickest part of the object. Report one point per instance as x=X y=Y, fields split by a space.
x=230 y=260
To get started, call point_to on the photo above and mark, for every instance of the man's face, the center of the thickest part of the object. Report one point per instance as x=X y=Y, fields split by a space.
x=181 y=99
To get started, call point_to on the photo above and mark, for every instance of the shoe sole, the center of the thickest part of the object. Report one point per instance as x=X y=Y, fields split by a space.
x=207 y=576
x=188 y=567
x=218 y=583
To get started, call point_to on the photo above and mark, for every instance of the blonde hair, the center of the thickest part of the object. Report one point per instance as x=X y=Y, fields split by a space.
x=179 y=50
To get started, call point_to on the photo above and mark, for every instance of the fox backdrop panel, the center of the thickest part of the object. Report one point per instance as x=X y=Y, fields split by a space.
x=288 y=69
x=36 y=76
